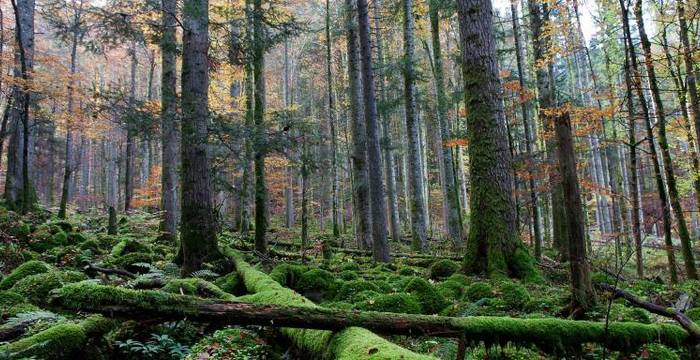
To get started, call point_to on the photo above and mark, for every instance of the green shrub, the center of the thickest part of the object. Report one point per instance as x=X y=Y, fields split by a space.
x=478 y=290
x=514 y=295
x=396 y=303
x=36 y=288
x=350 y=266
x=441 y=269
x=349 y=288
x=430 y=300
x=657 y=352
x=348 y=275
x=406 y=271
x=31 y=267
x=91 y=245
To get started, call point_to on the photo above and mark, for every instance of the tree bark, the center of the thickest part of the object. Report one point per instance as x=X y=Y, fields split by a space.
x=258 y=119
x=379 y=235
x=674 y=196
x=332 y=125
x=169 y=122
x=493 y=246
x=198 y=230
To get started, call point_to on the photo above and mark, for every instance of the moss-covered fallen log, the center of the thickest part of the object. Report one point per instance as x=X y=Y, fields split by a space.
x=65 y=340
x=554 y=335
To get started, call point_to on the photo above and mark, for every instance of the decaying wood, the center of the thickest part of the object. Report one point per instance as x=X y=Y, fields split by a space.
x=92 y=269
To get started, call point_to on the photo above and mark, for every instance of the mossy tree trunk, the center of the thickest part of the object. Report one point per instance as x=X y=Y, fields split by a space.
x=335 y=183
x=493 y=246
x=198 y=229
x=169 y=122
x=674 y=196
x=379 y=233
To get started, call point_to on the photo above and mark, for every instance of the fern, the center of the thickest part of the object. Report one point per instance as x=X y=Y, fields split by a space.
x=34 y=316
x=171 y=269
x=205 y=274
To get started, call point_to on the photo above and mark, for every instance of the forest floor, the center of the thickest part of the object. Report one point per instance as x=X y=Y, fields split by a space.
x=58 y=274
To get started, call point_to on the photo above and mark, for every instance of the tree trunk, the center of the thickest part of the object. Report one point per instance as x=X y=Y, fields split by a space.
x=661 y=188
x=413 y=124
x=169 y=122
x=385 y=121
x=258 y=119
x=360 y=174
x=379 y=235
x=130 y=136
x=690 y=73
x=529 y=138
x=453 y=216
x=581 y=289
x=198 y=230
x=289 y=187
x=674 y=196
x=493 y=246
x=331 y=124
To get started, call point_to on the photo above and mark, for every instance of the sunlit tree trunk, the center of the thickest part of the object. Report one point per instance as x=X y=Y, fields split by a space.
x=130 y=135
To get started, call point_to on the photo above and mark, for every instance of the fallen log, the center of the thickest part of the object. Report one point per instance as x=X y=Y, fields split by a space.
x=552 y=335
x=92 y=269
x=671 y=313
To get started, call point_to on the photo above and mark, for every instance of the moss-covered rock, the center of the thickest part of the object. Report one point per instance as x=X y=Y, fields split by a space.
x=396 y=302
x=12 y=303
x=350 y=288
x=31 y=267
x=451 y=289
x=126 y=246
x=694 y=314
x=478 y=290
x=514 y=295
x=230 y=283
x=36 y=288
x=317 y=280
x=441 y=269
x=287 y=274
x=196 y=287
x=460 y=278
x=431 y=301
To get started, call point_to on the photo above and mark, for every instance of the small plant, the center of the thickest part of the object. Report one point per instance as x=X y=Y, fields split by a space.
x=159 y=347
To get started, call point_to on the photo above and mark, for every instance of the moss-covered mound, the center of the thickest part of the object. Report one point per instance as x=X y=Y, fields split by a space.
x=31 y=267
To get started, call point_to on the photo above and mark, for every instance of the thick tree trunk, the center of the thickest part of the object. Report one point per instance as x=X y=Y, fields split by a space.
x=379 y=235
x=385 y=121
x=413 y=124
x=453 y=216
x=493 y=246
x=198 y=240
x=690 y=72
x=332 y=125
x=360 y=173
x=674 y=196
x=289 y=187
x=169 y=122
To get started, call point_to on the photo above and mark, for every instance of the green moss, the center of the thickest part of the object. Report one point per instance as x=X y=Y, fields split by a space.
x=451 y=289
x=460 y=278
x=365 y=295
x=97 y=325
x=91 y=245
x=694 y=314
x=359 y=344
x=125 y=261
x=229 y=283
x=351 y=266
x=478 y=290
x=28 y=268
x=342 y=305
x=619 y=312
x=514 y=295
x=62 y=341
x=287 y=274
x=126 y=246
x=397 y=303
x=76 y=238
x=348 y=275
x=406 y=271
x=196 y=287
x=441 y=269
x=431 y=301
x=317 y=280
x=36 y=288
x=350 y=288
